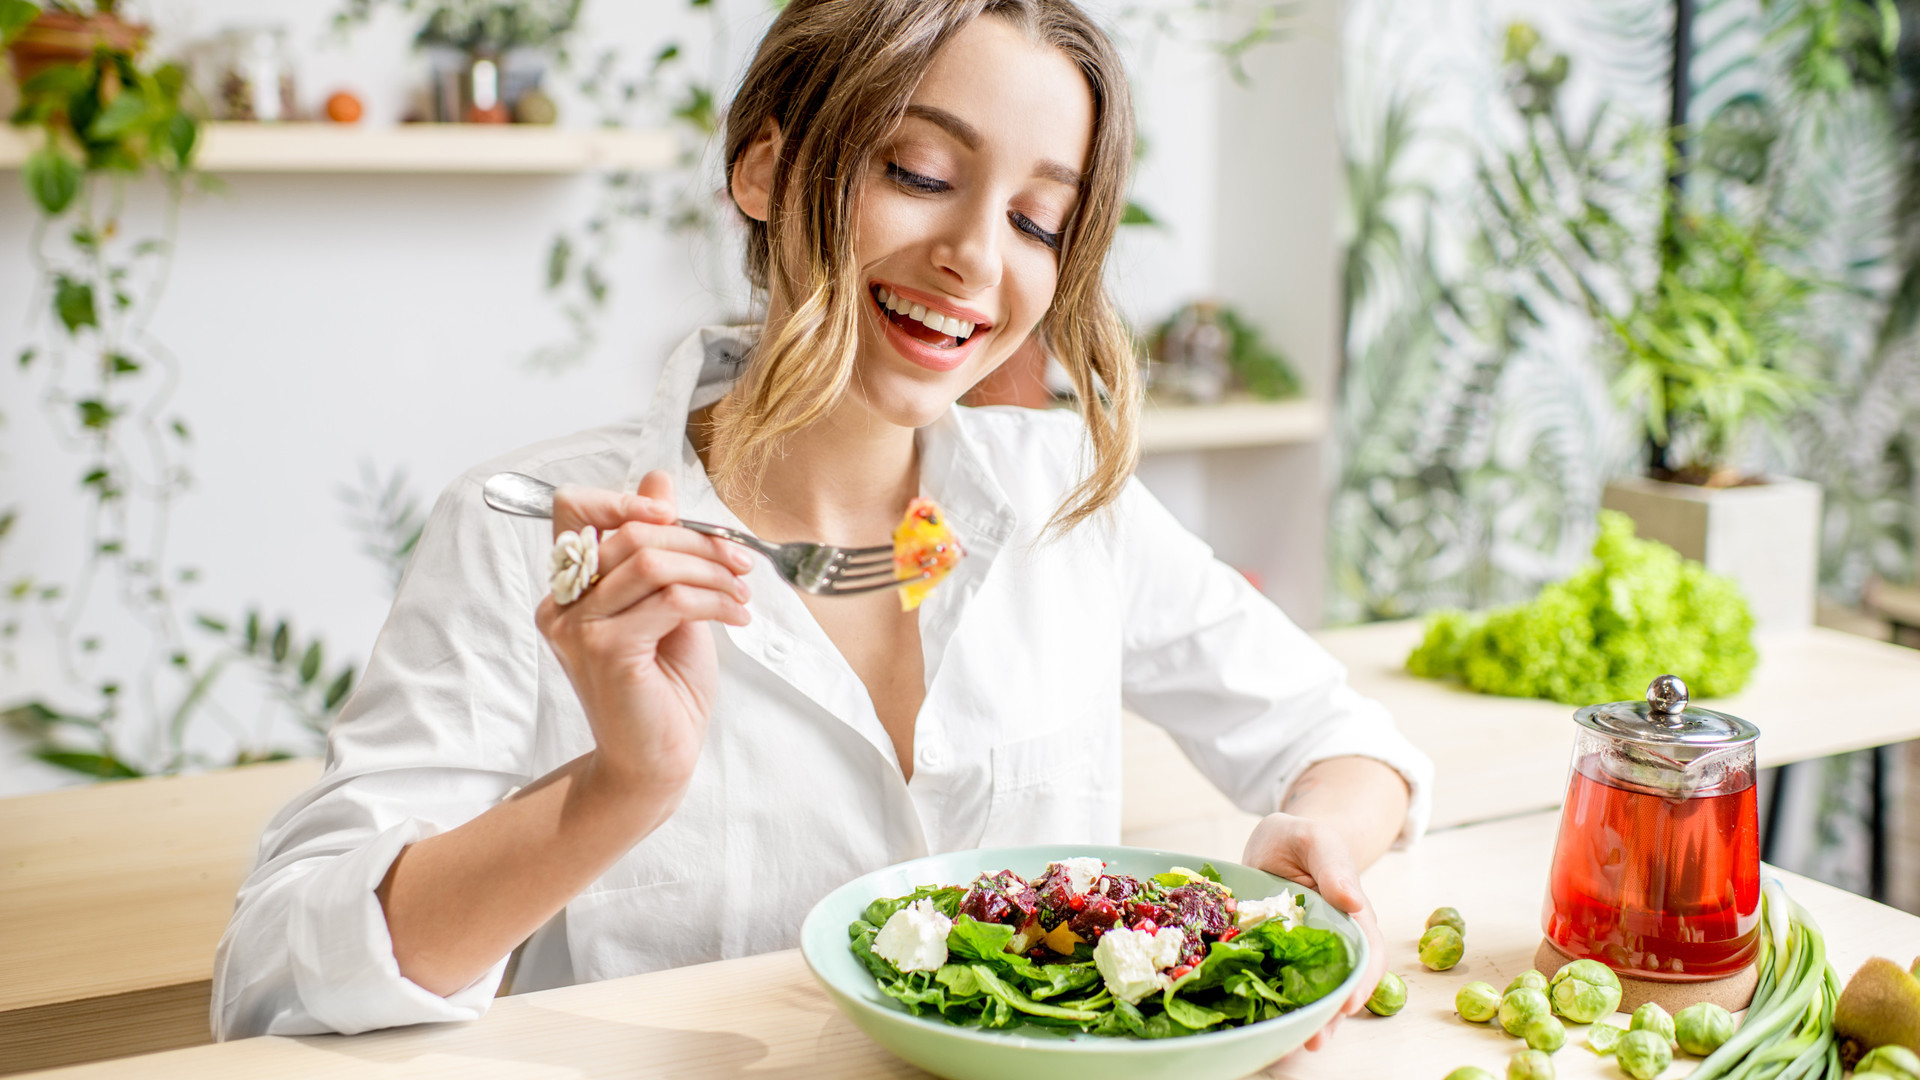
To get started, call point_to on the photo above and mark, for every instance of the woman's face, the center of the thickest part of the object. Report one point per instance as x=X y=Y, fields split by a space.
x=959 y=218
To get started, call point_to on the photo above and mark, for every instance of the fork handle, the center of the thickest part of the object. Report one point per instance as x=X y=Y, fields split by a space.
x=735 y=535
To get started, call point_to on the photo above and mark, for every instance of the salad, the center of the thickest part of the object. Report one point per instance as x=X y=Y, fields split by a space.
x=1109 y=954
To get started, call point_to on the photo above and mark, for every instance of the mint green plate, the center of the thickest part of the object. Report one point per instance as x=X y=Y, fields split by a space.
x=1043 y=1053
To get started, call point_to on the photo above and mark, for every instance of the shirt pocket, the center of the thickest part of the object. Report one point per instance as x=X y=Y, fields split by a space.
x=1045 y=792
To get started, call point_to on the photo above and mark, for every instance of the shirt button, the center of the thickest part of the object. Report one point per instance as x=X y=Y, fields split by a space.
x=932 y=758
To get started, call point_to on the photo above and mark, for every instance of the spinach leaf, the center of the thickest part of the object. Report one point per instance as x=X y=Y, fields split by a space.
x=1186 y=1013
x=992 y=984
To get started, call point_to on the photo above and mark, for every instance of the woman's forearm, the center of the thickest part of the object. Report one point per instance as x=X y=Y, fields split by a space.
x=457 y=902
x=1362 y=799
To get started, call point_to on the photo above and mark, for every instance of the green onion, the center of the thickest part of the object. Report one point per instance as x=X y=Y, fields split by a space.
x=1788 y=1030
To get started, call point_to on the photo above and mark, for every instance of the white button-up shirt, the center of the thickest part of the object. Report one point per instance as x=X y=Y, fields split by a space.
x=1031 y=652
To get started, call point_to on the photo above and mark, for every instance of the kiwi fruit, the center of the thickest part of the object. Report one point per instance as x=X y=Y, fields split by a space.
x=1879 y=1007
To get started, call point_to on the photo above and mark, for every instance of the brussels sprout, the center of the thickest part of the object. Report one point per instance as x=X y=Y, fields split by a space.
x=1545 y=1034
x=1530 y=1065
x=1584 y=991
x=1530 y=978
x=1478 y=1002
x=1446 y=916
x=1651 y=1017
x=1441 y=946
x=1389 y=995
x=1522 y=1007
x=1602 y=1038
x=1701 y=1028
x=1643 y=1054
x=1469 y=1072
x=1892 y=1062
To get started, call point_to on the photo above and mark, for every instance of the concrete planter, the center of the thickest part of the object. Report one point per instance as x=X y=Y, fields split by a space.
x=1764 y=536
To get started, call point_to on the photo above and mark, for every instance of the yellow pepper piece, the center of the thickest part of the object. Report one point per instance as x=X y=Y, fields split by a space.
x=923 y=544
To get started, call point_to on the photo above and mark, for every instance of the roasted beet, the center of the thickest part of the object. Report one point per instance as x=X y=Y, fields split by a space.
x=1002 y=898
x=1096 y=917
x=1201 y=909
x=1119 y=887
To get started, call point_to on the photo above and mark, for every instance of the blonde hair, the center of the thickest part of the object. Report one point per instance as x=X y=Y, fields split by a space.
x=836 y=76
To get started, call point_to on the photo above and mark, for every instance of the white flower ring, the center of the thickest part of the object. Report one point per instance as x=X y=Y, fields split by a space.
x=575 y=564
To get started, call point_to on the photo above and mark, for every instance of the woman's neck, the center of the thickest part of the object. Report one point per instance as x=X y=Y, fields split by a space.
x=844 y=479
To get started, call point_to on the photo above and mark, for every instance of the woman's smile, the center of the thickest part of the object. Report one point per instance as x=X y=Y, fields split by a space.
x=926 y=330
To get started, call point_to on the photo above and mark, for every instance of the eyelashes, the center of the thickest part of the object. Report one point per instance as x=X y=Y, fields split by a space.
x=927 y=185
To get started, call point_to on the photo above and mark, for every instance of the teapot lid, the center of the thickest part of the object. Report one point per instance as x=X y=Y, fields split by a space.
x=1664 y=719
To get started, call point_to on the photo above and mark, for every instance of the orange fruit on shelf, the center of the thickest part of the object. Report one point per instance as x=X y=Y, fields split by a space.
x=344 y=108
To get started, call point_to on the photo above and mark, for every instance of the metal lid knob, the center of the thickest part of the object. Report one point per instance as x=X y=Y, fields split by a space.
x=1667 y=694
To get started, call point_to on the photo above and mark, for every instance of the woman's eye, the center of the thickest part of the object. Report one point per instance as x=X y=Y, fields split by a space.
x=1025 y=224
x=914 y=180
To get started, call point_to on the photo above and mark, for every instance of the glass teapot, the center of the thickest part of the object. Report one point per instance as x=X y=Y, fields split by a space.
x=1657 y=869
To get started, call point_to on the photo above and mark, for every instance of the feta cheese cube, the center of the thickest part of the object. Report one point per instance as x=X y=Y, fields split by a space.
x=914 y=938
x=1081 y=873
x=1283 y=905
x=1134 y=963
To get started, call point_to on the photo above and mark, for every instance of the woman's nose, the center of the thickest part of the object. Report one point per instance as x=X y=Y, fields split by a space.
x=968 y=247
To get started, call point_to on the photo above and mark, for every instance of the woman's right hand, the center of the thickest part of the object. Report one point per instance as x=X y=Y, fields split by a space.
x=633 y=645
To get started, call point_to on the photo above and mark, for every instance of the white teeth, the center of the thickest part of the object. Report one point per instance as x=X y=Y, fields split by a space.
x=945 y=324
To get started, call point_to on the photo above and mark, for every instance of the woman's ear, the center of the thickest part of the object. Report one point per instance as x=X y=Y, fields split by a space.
x=752 y=180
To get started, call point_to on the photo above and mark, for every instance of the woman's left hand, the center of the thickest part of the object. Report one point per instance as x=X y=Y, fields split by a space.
x=1313 y=854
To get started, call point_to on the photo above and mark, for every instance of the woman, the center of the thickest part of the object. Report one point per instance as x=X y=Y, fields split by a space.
x=673 y=766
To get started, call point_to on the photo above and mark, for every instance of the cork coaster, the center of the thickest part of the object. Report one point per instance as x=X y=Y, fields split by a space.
x=1732 y=992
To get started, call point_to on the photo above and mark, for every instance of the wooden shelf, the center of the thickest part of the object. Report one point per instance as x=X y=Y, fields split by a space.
x=410 y=148
x=1170 y=428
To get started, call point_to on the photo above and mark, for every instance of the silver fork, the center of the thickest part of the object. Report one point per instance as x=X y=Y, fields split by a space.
x=820 y=569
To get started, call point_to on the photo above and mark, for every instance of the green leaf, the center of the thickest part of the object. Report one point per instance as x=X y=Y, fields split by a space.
x=310 y=664
x=1135 y=214
x=282 y=639
x=183 y=135
x=73 y=302
x=31 y=718
x=559 y=257
x=122 y=116
x=7 y=521
x=210 y=622
x=52 y=178
x=120 y=364
x=179 y=428
x=15 y=15
x=94 y=413
x=251 y=635
x=1207 y=871
x=103 y=766
x=338 y=690
x=27 y=355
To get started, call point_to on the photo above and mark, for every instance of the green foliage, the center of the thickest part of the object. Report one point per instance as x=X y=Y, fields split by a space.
x=1711 y=350
x=1260 y=367
x=491 y=26
x=1636 y=611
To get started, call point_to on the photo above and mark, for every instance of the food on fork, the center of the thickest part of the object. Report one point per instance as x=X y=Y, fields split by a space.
x=924 y=546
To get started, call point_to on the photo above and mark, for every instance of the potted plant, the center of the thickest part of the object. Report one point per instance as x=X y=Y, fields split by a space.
x=481 y=33
x=64 y=33
x=1708 y=359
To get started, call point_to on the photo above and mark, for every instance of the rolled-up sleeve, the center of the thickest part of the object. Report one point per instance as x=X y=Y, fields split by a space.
x=1251 y=698
x=439 y=729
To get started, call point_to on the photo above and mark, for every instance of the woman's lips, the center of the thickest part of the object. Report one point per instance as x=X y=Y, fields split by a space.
x=922 y=344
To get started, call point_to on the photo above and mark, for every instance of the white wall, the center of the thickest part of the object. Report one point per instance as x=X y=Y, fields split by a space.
x=323 y=322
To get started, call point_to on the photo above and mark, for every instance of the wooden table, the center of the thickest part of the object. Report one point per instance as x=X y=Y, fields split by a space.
x=764 y=1016
x=112 y=898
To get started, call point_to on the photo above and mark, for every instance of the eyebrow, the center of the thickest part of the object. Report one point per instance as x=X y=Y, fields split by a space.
x=969 y=137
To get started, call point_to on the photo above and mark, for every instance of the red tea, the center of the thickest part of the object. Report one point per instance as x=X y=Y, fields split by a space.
x=1657 y=887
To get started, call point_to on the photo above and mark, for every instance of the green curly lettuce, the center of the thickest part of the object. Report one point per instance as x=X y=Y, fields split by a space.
x=1635 y=611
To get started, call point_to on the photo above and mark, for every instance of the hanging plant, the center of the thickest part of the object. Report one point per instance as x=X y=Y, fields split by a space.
x=103 y=117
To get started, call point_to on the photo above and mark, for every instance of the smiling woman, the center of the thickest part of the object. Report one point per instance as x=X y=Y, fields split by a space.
x=673 y=758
